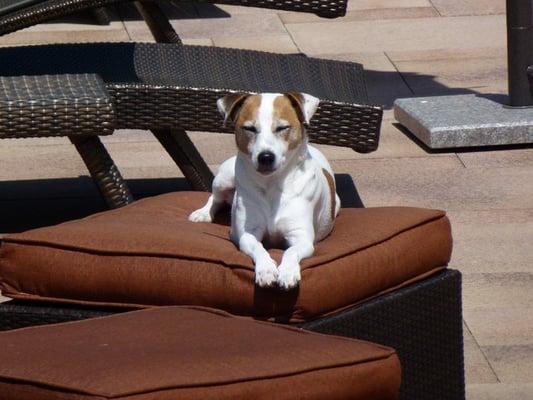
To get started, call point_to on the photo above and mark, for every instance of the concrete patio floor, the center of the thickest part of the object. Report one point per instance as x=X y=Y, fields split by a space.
x=409 y=48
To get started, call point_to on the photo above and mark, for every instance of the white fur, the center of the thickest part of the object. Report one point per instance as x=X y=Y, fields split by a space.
x=291 y=204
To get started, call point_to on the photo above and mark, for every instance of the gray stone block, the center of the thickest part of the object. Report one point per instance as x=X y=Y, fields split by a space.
x=464 y=121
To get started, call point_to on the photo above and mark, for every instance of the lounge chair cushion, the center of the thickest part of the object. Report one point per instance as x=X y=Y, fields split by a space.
x=187 y=353
x=148 y=253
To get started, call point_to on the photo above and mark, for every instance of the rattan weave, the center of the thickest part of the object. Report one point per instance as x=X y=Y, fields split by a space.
x=422 y=321
x=16 y=18
x=54 y=105
x=161 y=86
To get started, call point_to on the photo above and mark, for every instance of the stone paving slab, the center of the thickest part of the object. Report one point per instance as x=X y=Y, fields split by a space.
x=499 y=391
x=453 y=72
x=67 y=33
x=364 y=15
x=502 y=290
x=492 y=240
x=274 y=44
x=501 y=326
x=477 y=368
x=438 y=182
x=512 y=364
x=498 y=159
x=449 y=8
x=241 y=25
x=461 y=33
x=34 y=162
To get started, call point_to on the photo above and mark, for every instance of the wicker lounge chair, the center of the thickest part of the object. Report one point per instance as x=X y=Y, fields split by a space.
x=166 y=87
x=171 y=88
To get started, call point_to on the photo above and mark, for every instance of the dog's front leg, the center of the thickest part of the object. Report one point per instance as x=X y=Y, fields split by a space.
x=266 y=271
x=300 y=246
x=223 y=191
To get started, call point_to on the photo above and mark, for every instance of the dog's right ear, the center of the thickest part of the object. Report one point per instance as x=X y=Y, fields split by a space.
x=230 y=105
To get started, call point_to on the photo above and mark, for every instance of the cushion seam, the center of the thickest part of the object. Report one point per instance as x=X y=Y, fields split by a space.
x=44 y=244
x=200 y=385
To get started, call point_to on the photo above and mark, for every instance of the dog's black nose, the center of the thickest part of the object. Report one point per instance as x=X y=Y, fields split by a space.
x=266 y=158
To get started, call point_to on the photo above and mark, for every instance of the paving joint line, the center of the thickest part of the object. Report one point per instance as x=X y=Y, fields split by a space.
x=290 y=34
x=435 y=8
x=481 y=350
x=398 y=71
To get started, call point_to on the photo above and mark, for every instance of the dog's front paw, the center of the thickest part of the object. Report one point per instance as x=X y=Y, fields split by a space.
x=201 y=215
x=288 y=276
x=266 y=273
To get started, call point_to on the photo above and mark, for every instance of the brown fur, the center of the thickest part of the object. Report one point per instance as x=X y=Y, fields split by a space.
x=284 y=109
x=247 y=112
x=331 y=184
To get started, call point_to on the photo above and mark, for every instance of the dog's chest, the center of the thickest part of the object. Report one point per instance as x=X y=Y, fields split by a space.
x=278 y=212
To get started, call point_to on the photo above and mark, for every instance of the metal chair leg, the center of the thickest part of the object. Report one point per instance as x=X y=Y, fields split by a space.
x=103 y=171
x=182 y=150
x=101 y=15
x=176 y=142
x=157 y=22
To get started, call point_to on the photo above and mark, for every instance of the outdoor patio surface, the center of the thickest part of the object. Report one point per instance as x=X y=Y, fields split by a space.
x=409 y=48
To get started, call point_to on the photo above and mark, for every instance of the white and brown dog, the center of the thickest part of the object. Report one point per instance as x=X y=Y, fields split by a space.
x=281 y=189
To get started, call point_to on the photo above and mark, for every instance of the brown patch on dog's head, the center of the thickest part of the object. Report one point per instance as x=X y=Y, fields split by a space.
x=246 y=115
x=285 y=110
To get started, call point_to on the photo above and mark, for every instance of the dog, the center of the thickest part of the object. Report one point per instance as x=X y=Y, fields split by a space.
x=281 y=189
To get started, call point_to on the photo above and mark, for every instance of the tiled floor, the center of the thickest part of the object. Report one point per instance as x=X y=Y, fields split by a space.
x=409 y=47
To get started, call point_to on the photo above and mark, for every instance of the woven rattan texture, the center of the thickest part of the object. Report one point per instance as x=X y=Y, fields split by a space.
x=52 y=9
x=423 y=322
x=158 y=86
x=54 y=105
x=103 y=170
x=148 y=107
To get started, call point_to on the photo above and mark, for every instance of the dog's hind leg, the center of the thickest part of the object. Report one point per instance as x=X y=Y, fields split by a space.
x=223 y=192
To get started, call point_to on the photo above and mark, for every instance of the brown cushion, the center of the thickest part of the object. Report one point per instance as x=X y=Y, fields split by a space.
x=149 y=254
x=184 y=353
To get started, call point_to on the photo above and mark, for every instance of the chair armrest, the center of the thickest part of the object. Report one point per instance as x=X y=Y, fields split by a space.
x=55 y=105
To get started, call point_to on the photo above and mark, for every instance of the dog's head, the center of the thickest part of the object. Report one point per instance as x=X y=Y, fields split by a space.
x=269 y=127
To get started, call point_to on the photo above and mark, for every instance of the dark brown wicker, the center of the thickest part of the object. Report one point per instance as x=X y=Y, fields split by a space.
x=19 y=14
x=16 y=14
x=55 y=105
x=105 y=173
x=422 y=321
x=162 y=86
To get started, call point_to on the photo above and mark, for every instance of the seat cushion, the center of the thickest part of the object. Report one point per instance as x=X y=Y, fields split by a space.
x=148 y=253
x=186 y=353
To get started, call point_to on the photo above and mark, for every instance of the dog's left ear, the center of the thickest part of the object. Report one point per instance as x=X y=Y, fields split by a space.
x=230 y=105
x=304 y=104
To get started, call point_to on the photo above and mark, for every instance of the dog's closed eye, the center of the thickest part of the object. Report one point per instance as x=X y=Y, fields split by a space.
x=282 y=128
x=250 y=128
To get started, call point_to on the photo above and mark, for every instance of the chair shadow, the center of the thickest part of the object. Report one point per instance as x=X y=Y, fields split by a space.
x=32 y=204
x=128 y=12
